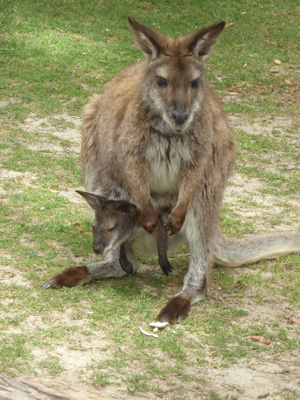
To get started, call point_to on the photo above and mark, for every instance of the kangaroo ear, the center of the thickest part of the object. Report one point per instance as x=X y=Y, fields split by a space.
x=199 y=43
x=150 y=42
x=125 y=207
x=95 y=200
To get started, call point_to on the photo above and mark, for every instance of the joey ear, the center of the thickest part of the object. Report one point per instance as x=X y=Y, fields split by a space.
x=199 y=43
x=150 y=41
x=126 y=208
x=95 y=200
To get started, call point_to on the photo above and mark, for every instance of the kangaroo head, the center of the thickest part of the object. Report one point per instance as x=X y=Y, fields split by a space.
x=174 y=85
x=113 y=223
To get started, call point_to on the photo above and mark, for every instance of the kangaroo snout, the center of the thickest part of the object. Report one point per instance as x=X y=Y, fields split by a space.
x=98 y=249
x=180 y=117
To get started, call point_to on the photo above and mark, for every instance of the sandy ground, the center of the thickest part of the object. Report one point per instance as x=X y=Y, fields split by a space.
x=247 y=379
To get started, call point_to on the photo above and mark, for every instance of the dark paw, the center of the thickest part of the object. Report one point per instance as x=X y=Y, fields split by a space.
x=166 y=267
x=175 y=310
x=69 y=277
x=126 y=266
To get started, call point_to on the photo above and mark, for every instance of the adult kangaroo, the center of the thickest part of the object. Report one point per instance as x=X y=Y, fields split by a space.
x=158 y=137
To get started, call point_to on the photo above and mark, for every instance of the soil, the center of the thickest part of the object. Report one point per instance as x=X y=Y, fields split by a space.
x=247 y=379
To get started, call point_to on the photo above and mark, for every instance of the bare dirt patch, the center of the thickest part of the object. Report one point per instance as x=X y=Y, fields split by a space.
x=62 y=126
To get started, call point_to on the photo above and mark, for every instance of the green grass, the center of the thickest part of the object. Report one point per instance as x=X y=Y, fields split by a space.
x=53 y=57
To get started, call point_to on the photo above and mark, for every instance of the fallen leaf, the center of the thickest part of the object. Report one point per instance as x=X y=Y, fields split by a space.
x=53 y=191
x=277 y=62
x=229 y=25
x=266 y=341
x=274 y=71
x=289 y=320
x=76 y=223
x=261 y=340
x=49 y=244
x=80 y=229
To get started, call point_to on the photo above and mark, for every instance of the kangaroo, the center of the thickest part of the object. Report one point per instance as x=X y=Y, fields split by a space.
x=158 y=137
x=115 y=221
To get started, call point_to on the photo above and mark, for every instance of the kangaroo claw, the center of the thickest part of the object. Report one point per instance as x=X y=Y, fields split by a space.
x=48 y=285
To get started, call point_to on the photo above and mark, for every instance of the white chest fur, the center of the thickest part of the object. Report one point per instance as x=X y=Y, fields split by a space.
x=166 y=155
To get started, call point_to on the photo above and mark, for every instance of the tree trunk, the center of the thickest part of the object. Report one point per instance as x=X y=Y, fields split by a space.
x=33 y=389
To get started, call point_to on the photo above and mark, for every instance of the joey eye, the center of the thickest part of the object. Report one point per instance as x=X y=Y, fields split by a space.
x=195 y=84
x=161 y=82
x=112 y=228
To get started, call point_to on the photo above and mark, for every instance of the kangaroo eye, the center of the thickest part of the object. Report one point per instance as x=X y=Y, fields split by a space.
x=195 y=84
x=161 y=82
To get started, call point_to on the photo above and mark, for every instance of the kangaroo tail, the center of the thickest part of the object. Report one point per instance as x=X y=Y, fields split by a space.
x=238 y=252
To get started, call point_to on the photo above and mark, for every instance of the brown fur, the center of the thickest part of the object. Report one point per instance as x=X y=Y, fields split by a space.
x=175 y=310
x=69 y=277
x=157 y=136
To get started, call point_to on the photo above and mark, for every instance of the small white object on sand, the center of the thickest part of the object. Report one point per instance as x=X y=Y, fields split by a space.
x=148 y=333
x=159 y=325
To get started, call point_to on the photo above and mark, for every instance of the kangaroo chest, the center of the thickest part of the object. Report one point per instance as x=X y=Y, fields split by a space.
x=166 y=155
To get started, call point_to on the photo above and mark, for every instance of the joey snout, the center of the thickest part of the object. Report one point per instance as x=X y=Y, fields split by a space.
x=98 y=248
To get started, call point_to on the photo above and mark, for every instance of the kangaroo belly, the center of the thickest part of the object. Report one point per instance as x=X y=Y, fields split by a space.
x=146 y=243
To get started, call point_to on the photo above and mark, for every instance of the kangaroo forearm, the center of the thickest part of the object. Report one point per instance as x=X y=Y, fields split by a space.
x=137 y=184
x=190 y=186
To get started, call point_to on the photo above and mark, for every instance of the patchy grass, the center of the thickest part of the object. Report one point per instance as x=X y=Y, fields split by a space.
x=53 y=57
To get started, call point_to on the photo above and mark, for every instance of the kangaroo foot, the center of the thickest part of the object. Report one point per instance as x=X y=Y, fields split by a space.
x=175 y=310
x=69 y=277
x=166 y=267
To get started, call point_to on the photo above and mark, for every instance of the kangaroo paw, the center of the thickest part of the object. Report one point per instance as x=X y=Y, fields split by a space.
x=166 y=267
x=126 y=266
x=175 y=310
x=69 y=277
x=149 y=219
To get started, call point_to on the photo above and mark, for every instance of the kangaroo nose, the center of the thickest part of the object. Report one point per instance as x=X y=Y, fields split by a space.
x=179 y=117
x=97 y=249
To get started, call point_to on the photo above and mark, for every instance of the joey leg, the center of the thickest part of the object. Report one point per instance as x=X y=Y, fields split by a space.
x=78 y=275
x=124 y=262
x=69 y=277
x=161 y=238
